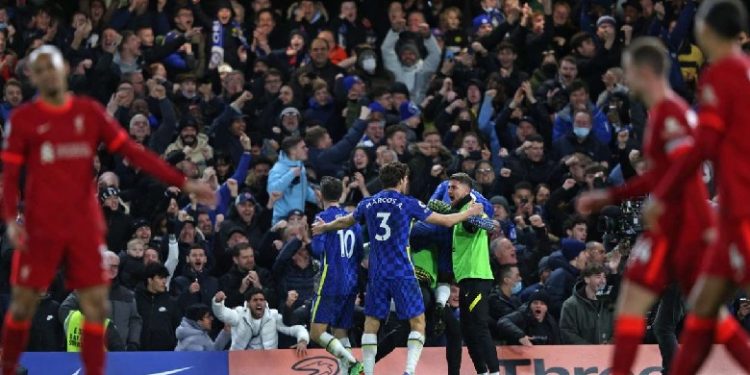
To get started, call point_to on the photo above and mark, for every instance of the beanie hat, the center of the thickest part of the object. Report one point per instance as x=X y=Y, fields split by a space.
x=606 y=19
x=350 y=81
x=539 y=295
x=572 y=248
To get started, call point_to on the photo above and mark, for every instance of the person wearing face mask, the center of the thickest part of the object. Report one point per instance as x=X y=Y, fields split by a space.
x=587 y=318
x=503 y=299
x=581 y=140
x=369 y=67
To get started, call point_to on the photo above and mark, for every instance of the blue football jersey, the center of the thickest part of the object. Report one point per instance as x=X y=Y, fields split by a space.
x=388 y=215
x=339 y=253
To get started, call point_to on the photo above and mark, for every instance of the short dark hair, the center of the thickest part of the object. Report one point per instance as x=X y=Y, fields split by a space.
x=577 y=39
x=651 y=53
x=505 y=270
x=393 y=129
x=523 y=185
x=314 y=135
x=331 y=189
x=197 y=311
x=289 y=142
x=573 y=221
x=463 y=178
x=252 y=292
x=272 y=72
x=569 y=59
x=239 y=247
x=591 y=270
x=577 y=85
x=536 y=138
x=195 y=246
x=505 y=46
x=378 y=91
x=727 y=18
x=392 y=173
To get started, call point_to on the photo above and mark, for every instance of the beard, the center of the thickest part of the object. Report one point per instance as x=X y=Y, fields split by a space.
x=189 y=141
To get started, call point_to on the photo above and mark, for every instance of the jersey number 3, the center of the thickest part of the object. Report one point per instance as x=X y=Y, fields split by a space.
x=384 y=216
x=346 y=240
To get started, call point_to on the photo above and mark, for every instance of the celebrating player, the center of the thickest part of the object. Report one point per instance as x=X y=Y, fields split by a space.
x=55 y=138
x=675 y=252
x=388 y=215
x=339 y=254
x=721 y=136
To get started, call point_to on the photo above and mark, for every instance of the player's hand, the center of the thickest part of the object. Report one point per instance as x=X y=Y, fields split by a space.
x=476 y=209
x=525 y=341
x=318 y=227
x=593 y=201
x=301 y=348
x=17 y=235
x=220 y=297
x=652 y=213
x=202 y=191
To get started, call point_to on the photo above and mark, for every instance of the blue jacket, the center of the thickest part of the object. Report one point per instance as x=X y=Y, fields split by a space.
x=564 y=124
x=560 y=286
x=281 y=178
x=330 y=161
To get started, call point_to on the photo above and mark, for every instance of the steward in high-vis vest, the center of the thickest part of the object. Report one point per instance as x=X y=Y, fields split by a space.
x=73 y=326
x=471 y=268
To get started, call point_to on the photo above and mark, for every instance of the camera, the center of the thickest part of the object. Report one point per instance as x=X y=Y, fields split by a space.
x=524 y=200
x=622 y=224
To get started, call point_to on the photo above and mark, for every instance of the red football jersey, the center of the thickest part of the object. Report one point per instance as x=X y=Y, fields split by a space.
x=57 y=146
x=722 y=135
x=669 y=135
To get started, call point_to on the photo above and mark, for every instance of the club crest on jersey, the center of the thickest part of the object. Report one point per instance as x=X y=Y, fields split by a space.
x=692 y=119
x=78 y=125
x=672 y=128
x=47 y=153
x=737 y=261
x=708 y=96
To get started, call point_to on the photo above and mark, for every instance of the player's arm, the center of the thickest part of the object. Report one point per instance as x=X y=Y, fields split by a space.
x=453 y=219
x=343 y=222
x=13 y=156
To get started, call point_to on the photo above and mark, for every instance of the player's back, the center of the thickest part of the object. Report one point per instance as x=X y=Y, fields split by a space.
x=669 y=132
x=57 y=146
x=339 y=253
x=725 y=105
x=388 y=215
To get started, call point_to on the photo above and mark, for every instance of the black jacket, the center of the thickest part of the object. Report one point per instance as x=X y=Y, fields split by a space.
x=181 y=288
x=47 y=333
x=231 y=281
x=118 y=229
x=161 y=316
x=521 y=323
x=500 y=305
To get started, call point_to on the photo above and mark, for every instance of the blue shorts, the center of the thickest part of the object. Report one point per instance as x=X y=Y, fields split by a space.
x=405 y=293
x=335 y=311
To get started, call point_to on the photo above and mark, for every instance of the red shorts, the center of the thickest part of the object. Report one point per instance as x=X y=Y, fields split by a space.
x=80 y=254
x=657 y=261
x=729 y=257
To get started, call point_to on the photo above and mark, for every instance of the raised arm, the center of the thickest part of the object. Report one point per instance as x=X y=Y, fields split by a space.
x=453 y=219
x=320 y=227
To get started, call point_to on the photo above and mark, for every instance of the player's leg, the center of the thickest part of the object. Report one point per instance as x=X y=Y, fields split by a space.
x=734 y=338
x=453 y=347
x=377 y=307
x=706 y=298
x=630 y=324
x=94 y=303
x=670 y=313
x=24 y=301
x=475 y=330
x=409 y=305
x=370 y=344
x=349 y=364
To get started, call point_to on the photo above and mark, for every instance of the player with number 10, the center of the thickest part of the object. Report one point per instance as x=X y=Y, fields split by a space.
x=388 y=216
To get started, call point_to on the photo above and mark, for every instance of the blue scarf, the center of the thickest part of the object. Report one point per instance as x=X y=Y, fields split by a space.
x=217 y=42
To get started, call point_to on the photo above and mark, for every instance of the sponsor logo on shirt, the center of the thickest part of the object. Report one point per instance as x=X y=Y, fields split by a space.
x=50 y=153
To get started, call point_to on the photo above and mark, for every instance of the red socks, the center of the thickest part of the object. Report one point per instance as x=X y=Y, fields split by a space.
x=92 y=348
x=695 y=345
x=736 y=341
x=15 y=338
x=629 y=331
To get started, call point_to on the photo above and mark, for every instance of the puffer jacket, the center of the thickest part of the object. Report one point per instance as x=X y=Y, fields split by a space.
x=192 y=338
x=584 y=321
x=248 y=333
x=282 y=179
x=199 y=154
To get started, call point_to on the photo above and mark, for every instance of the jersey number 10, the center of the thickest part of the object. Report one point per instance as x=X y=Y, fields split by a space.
x=346 y=241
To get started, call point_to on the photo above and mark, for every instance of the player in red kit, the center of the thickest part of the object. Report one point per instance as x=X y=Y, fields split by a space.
x=722 y=137
x=674 y=253
x=55 y=138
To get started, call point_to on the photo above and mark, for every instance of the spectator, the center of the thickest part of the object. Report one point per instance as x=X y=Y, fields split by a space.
x=586 y=318
x=320 y=64
x=503 y=299
x=12 y=97
x=531 y=324
x=192 y=334
x=193 y=143
x=118 y=221
x=244 y=275
x=160 y=313
x=581 y=140
x=294 y=269
x=579 y=101
x=288 y=176
x=47 y=334
x=255 y=326
x=123 y=312
x=561 y=281
x=195 y=285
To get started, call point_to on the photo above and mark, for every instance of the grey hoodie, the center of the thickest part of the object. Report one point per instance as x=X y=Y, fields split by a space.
x=192 y=338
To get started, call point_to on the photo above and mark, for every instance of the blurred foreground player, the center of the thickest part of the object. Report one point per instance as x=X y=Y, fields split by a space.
x=675 y=252
x=721 y=136
x=55 y=138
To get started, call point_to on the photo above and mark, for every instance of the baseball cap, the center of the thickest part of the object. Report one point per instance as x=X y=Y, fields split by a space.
x=408 y=109
x=350 y=81
x=245 y=197
x=294 y=212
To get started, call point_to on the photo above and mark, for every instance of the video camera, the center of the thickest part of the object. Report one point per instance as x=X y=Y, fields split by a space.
x=622 y=224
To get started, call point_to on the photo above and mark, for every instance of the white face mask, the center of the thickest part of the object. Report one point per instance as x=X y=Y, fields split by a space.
x=369 y=64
